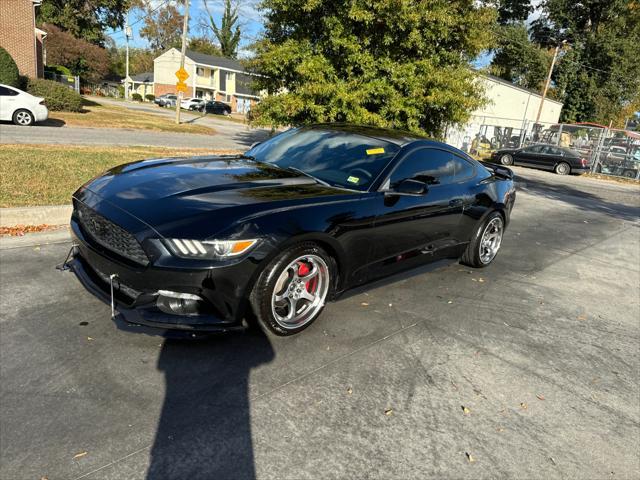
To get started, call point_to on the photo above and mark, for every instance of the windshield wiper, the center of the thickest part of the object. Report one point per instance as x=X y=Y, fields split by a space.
x=322 y=182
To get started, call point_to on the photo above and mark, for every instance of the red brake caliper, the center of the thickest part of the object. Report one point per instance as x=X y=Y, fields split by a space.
x=303 y=270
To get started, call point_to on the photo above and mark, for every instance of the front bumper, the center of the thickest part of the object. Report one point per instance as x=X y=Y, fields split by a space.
x=136 y=288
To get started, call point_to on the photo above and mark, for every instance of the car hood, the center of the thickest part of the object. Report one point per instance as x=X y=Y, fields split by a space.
x=172 y=195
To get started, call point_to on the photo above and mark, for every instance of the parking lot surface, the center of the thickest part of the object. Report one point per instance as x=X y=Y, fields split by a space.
x=526 y=369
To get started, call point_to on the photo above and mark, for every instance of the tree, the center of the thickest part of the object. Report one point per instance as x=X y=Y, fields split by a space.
x=513 y=11
x=85 y=19
x=162 y=25
x=204 y=45
x=9 y=74
x=517 y=59
x=391 y=63
x=85 y=59
x=598 y=75
x=228 y=33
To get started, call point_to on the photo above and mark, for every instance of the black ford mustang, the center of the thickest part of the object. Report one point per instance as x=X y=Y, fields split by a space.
x=201 y=243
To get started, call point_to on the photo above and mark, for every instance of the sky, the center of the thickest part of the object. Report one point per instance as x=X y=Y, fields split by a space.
x=250 y=22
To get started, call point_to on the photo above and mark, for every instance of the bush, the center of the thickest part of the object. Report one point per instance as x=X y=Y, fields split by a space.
x=56 y=95
x=58 y=69
x=9 y=74
x=136 y=97
x=150 y=97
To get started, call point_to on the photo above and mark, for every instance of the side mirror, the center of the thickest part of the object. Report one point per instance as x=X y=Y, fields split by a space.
x=411 y=187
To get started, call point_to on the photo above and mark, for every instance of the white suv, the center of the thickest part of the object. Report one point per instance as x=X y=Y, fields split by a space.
x=21 y=107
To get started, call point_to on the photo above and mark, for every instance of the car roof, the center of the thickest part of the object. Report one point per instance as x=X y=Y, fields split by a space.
x=398 y=137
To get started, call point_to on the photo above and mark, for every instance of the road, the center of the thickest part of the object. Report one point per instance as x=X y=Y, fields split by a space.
x=226 y=134
x=530 y=368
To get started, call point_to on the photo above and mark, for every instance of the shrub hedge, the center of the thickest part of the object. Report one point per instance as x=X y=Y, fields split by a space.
x=56 y=95
x=9 y=74
x=150 y=97
x=136 y=97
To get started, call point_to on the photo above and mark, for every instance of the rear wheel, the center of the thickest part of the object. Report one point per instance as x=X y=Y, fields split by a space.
x=485 y=243
x=563 y=168
x=506 y=159
x=292 y=290
x=23 y=117
x=629 y=173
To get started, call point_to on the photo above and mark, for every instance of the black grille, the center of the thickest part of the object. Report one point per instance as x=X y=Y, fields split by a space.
x=110 y=235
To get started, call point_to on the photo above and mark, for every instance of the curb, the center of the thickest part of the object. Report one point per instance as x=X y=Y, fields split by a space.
x=33 y=239
x=49 y=215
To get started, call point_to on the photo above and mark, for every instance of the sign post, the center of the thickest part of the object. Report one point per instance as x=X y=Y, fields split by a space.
x=182 y=74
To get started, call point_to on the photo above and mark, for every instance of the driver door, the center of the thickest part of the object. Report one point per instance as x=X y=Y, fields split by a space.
x=418 y=225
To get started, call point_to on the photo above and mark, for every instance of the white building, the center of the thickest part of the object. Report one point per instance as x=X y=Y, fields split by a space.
x=510 y=107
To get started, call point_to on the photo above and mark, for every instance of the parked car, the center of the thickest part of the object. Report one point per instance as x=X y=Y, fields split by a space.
x=168 y=99
x=190 y=103
x=20 y=107
x=200 y=243
x=561 y=160
x=620 y=161
x=216 y=107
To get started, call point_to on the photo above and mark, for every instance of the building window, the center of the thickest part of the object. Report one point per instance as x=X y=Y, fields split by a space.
x=227 y=98
x=229 y=77
x=200 y=71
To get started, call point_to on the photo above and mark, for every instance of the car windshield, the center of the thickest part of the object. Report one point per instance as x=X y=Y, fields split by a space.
x=338 y=158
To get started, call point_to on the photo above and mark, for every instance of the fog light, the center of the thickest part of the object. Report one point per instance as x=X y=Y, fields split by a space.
x=177 y=303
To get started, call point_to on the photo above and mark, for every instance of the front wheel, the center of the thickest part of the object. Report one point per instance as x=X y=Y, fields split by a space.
x=506 y=159
x=485 y=243
x=292 y=290
x=23 y=118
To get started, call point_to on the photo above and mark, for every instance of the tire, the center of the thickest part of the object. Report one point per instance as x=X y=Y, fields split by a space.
x=226 y=113
x=629 y=174
x=278 y=289
x=563 y=168
x=23 y=117
x=474 y=255
x=506 y=159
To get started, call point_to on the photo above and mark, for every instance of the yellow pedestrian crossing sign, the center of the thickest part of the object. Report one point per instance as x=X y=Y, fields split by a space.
x=182 y=75
x=181 y=87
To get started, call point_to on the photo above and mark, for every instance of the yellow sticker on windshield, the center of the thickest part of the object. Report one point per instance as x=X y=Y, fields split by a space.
x=353 y=179
x=375 y=151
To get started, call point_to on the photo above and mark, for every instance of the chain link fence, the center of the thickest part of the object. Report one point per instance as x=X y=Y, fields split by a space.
x=609 y=151
x=73 y=82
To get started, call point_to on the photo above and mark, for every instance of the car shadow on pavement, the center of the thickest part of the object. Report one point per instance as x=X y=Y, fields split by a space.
x=204 y=429
x=52 y=122
x=577 y=198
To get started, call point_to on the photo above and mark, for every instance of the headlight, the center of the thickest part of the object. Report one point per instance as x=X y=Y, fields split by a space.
x=209 y=249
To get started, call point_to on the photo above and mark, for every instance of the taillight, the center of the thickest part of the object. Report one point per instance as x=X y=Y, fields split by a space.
x=584 y=162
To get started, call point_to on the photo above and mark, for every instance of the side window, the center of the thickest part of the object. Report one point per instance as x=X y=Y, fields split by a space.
x=534 y=149
x=7 y=92
x=431 y=166
x=463 y=169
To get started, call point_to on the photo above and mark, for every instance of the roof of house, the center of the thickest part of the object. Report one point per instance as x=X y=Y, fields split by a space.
x=146 y=77
x=215 y=61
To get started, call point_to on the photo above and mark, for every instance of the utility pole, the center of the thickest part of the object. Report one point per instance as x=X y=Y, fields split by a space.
x=128 y=34
x=185 y=27
x=546 y=85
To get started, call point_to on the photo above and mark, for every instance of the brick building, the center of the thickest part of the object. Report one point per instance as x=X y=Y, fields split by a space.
x=20 y=37
x=210 y=77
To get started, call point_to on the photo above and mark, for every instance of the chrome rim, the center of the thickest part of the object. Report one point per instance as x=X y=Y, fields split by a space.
x=300 y=291
x=491 y=240
x=562 y=168
x=506 y=159
x=23 y=118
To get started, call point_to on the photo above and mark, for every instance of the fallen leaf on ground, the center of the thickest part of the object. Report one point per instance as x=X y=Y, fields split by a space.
x=391 y=304
x=349 y=390
x=540 y=396
x=89 y=338
x=481 y=280
x=449 y=301
x=499 y=429
x=80 y=455
x=470 y=457
x=552 y=460
x=21 y=230
x=388 y=411
x=524 y=406
x=465 y=410
x=364 y=304
x=582 y=317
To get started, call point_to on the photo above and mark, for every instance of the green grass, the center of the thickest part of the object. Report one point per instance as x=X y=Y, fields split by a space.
x=32 y=175
x=113 y=116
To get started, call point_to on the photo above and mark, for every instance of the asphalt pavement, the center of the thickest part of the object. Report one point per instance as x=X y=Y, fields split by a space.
x=526 y=369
